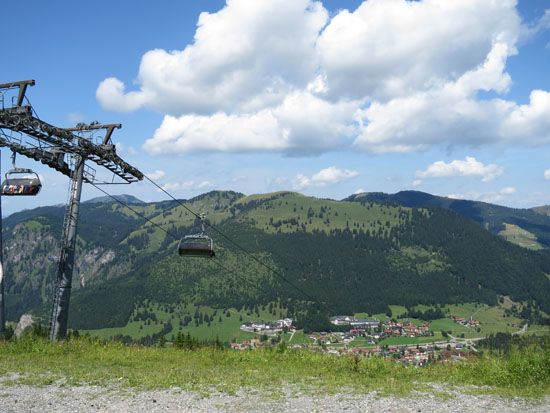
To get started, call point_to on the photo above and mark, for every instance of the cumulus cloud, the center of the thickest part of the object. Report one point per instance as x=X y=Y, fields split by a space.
x=390 y=76
x=301 y=124
x=507 y=190
x=470 y=166
x=451 y=114
x=330 y=175
x=111 y=95
x=157 y=174
x=247 y=56
x=490 y=197
x=547 y=174
x=387 y=48
x=186 y=185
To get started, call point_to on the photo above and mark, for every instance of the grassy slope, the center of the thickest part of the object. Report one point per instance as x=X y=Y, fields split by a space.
x=519 y=236
x=339 y=214
x=85 y=362
x=227 y=330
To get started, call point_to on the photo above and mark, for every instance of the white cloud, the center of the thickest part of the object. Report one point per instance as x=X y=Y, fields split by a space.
x=388 y=48
x=491 y=197
x=186 y=185
x=280 y=180
x=470 y=166
x=507 y=190
x=417 y=182
x=450 y=114
x=111 y=95
x=542 y=24
x=359 y=191
x=330 y=175
x=547 y=174
x=456 y=196
x=157 y=174
x=301 y=124
x=390 y=76
x=204 y=184
x=247 y=56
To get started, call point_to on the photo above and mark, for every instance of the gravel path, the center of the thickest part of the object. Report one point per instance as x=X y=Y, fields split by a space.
x=59 y=398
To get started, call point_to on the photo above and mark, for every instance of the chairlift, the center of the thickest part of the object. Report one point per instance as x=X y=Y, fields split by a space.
x=20 y=181
x=197 y=245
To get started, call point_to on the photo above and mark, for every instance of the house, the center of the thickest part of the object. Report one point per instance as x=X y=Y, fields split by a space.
x=341 y=320
x=267 y=327
x=364 y=323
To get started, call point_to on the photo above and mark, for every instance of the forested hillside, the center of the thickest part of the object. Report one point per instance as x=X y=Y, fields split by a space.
x=328 y=256
x=525 y=227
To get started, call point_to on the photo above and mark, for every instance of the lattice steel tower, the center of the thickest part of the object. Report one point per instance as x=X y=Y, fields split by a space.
x=66 y=151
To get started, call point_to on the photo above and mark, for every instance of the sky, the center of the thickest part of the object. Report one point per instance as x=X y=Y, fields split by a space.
x=327 y=98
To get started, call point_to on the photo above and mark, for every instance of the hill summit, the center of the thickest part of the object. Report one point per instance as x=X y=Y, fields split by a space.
x=127 y=199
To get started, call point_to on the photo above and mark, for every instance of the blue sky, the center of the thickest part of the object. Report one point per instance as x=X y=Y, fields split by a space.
x=325 y=98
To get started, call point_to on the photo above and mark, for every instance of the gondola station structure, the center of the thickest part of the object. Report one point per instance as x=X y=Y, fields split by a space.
x=69 y=151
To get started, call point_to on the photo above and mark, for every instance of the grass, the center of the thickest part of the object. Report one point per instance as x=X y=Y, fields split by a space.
x=133 y=329
x=84 y=361
x=521 y=237
x=492 y=319
x=299 y=337
x=326 y=214
x=228 y=329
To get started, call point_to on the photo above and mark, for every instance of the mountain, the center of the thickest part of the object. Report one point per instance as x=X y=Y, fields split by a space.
x=543 y=210
x=127 y=199
x=303 y=254
x=526 y=227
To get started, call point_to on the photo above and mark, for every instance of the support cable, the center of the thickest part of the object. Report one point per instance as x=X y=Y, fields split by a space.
x=267 y=266
x=171 y=234
x=136 y=212
x=277 y=273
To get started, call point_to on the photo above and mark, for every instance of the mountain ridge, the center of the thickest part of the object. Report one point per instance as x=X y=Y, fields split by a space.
x=355 y=255
x=492 y=216
x=126 y=198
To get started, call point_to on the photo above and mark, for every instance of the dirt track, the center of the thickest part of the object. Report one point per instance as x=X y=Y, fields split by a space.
x=59 y=398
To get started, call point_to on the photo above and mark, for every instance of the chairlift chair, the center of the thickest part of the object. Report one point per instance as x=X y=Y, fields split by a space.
x=20 y=181
x=197 y=245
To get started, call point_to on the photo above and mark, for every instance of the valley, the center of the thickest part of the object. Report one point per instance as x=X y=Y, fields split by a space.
x=306 y=258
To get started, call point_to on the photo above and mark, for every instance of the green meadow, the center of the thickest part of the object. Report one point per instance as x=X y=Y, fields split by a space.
x=82 y=361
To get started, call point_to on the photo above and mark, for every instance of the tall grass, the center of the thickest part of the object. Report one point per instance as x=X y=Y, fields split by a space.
x=86 y=361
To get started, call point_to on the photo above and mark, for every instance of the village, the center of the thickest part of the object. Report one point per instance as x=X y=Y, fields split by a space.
x=467 y=322
x=268 y=328
x=362 y=337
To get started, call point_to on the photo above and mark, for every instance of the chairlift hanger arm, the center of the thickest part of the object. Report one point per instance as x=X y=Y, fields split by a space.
x=22 y=85
x=103 y=155
x=37 y=155
x=94 y=126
